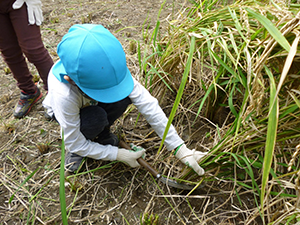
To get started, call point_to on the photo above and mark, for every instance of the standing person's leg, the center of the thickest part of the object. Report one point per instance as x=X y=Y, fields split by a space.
x=14 y=23
x=30 y=41
x=15 y=60
x=13 y=56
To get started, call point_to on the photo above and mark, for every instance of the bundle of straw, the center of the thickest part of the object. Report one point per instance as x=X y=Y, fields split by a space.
x=244 y=59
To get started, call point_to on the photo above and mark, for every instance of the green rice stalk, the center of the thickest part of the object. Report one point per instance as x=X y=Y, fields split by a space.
x=179 y=93
x=39 y=191
x=21 y=185
x=74 y=199
x=108 y=165
x=232 y=46
x=271 y=136
x=274 y=32
x=62 y=194
x=297 y=101
x=166 y=199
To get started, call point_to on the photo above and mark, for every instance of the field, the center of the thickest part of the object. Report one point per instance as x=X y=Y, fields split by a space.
x=113 y=193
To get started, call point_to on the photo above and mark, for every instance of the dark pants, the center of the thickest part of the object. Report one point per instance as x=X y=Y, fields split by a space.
x=18 y=37
x=95 y=121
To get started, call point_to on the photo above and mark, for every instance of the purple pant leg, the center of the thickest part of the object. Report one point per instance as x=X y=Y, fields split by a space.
x=18 y=38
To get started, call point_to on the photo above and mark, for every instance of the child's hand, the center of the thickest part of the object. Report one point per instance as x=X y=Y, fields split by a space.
x=190 y=158
x=129 y=157
x=136 y=148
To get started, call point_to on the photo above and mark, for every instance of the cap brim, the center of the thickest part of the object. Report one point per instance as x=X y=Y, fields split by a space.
x=59 y=71
x=112 y=94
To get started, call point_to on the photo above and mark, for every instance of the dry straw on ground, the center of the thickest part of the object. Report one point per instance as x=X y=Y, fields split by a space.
x=116 y=194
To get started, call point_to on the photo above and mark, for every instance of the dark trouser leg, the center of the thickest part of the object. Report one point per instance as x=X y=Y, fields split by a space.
x=116 y=109
x=18 y=37
x=93 y=120
x=96 y=120
x=94 y=125
x=13 y=56
x=31 y=43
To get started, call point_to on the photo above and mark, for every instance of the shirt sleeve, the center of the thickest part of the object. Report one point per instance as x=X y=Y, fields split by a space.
x=65 y=101
x=148 y=106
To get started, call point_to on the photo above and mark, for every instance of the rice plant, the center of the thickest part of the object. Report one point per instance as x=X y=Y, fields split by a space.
x=246 y=61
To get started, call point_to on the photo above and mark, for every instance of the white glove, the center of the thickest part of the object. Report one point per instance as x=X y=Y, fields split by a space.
x=136 y=148
x=34 y=9
x=129 y=157
x=190 y=158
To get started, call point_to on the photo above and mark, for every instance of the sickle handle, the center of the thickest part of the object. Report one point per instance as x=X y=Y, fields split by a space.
x=141 y=161
x=148 y=167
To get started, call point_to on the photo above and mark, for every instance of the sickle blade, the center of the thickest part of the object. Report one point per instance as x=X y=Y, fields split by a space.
x=173 y=183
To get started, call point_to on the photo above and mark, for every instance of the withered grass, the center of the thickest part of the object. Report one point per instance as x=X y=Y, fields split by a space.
x=224 y=109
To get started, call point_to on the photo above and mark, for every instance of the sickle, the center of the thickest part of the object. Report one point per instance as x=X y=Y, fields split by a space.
x=156 y=174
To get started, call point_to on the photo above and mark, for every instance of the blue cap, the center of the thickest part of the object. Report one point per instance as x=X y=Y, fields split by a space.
x=95 y=60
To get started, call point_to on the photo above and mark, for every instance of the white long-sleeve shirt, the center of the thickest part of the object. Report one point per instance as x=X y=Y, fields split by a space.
x=65 y=101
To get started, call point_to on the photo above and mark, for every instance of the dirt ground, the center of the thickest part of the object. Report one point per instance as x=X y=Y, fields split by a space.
x=110 y=193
